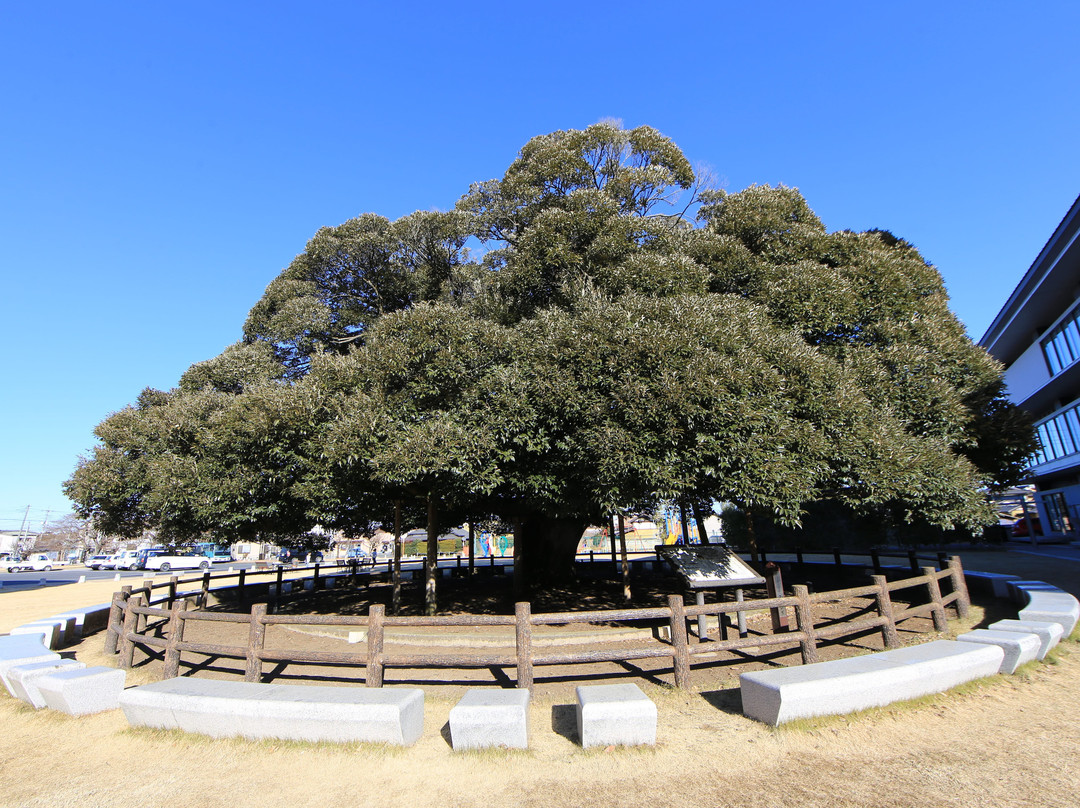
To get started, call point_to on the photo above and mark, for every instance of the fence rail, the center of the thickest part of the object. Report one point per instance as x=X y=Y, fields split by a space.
x=130 y=626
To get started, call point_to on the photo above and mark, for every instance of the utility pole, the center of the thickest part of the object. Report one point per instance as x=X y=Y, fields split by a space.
x=22 y=531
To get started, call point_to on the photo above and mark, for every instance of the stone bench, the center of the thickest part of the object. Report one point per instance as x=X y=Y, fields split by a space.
x=22 y=649
x=615 y=715
x=991 y=583
x=857 y=683
x=1052 y=606
x=23 y=678
x=82 y=691
x=65 y=632
x=88 y=619
x=1019 y=589
x=1018 y=647
x=1049 y=634
x=48 y=634
x=486 y=718
x=224 y=708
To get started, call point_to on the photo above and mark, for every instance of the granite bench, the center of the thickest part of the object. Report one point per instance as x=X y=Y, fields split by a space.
x=857 y=683
x=995 y=584
x=1049 y=633
x=22 y=649
x=24 y=678
x=1019 y=647
x=1055 y=606
x=88 y=619
x=82 y=691
x=225 y=708
x=48 y=634
x=615 y=715
x=486 y=718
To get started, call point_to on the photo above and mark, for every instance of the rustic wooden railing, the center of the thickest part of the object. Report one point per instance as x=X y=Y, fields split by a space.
x=134 y=622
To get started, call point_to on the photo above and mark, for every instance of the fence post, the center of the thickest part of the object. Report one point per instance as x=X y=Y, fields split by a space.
x=913 y=560
x=959 y=585
x=774 y=586
x=804 y=619
x=875 y=557
x=679 y=644
x=172 y=590
x=204 y=596
x=836 y=557
x=884 y=606
x=127 y=645
x=374 y=674
x=799 y=555
x=934 y=591
x=172 y=647
x=523 y=626
x=315 y=579
x=256 y=643
x=240 y=591
x=116 y=617
x=280 y=574
x=942 y=560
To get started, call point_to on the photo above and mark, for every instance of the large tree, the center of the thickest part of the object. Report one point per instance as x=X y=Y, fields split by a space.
x=624 y=339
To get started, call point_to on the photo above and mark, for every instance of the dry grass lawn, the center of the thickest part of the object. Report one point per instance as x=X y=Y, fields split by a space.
x=1007 y=741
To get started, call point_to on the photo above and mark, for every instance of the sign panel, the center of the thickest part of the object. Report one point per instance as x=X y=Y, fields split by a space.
x=707 y=566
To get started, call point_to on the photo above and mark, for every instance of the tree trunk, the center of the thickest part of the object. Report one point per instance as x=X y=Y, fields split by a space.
x=548 y=547
x=430 y=600
x=703 y=534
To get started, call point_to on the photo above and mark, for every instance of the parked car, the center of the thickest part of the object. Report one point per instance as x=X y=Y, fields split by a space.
x=10 y=563
x=38 y=562
x=126 y=560
x=97 y=562
x=147 y=552
x=164 y=562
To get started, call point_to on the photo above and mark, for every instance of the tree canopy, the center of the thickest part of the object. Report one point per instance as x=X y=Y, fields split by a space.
x=592 y=333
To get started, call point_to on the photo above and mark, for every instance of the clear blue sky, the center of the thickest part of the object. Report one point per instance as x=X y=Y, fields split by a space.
x=160 y=163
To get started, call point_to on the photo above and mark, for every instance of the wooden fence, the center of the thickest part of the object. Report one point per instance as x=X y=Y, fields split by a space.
x=134 y=621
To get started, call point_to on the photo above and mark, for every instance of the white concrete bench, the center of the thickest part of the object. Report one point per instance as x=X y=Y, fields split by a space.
x=615 y=715
x=82 y=691
x=1019 y=589
x=48 y=633
x=857 y=683
x=65 y=629
x=993 y=583
x=1049 y=634
x=224 y=708
x=88 y=619
x=22 y=649
x=23 y=678
x=486 y=718
x=1019 y=648
x=1052 y=606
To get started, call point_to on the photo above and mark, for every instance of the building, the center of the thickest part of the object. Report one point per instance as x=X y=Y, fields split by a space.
x=1036 y=335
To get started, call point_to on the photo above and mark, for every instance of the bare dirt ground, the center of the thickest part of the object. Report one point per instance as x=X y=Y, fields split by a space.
x=1007 y=741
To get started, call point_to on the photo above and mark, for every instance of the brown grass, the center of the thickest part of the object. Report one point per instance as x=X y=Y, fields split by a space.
x=1011 y=741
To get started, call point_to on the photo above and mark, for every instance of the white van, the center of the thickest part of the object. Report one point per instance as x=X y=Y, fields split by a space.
x=126 y=559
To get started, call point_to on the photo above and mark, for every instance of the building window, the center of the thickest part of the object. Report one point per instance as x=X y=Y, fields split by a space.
x=1059 y=436
x=1057 y=512
x=1062 y=346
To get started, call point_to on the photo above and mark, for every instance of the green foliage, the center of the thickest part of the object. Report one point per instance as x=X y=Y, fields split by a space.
x=606 y=353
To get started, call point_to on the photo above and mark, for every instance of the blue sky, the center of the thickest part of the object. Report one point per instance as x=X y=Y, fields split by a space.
x=160 y=164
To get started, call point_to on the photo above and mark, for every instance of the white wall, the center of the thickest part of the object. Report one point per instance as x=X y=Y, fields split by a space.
x=1027 y=374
